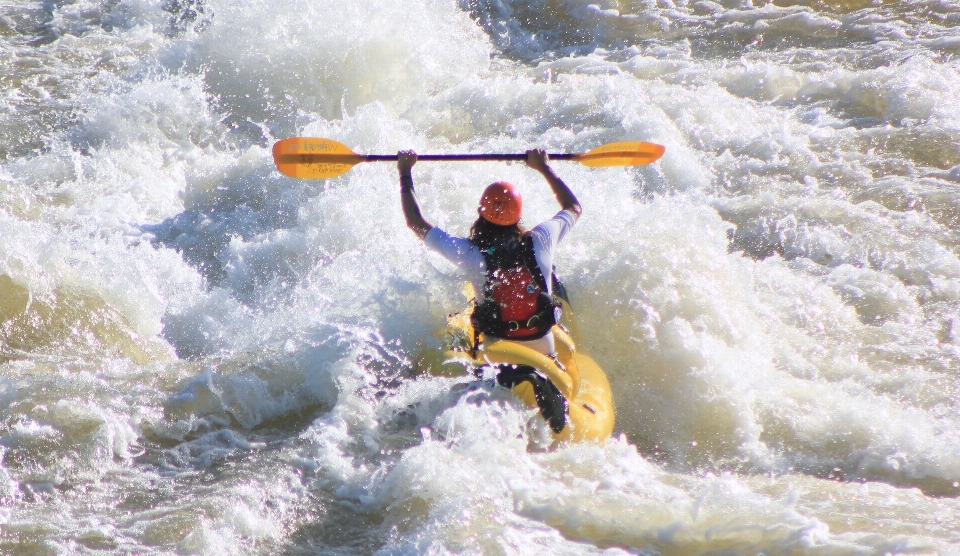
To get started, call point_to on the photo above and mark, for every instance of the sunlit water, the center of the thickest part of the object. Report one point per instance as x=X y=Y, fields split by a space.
x=199 y=355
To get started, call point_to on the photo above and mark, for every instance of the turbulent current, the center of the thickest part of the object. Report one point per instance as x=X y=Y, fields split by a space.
x=199 y=355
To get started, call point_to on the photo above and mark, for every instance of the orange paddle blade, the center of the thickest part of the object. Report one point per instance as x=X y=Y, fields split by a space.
x=624 y=153
x=309 y=157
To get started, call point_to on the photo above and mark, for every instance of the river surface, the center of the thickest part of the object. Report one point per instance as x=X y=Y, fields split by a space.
x=199 y=355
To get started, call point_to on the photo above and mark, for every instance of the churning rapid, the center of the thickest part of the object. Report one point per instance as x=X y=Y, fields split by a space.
x=199 y=355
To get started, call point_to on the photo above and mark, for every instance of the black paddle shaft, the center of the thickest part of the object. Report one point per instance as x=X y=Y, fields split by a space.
x=466 y=157
x=350 y=158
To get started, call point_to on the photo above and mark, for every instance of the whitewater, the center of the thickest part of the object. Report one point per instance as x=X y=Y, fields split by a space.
x=199 y=355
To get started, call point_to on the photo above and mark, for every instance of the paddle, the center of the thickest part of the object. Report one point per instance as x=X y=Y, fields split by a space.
x=316 y=158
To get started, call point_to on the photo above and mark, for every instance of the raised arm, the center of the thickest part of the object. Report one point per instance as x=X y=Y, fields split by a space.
x=408 y=197
x=537 y=159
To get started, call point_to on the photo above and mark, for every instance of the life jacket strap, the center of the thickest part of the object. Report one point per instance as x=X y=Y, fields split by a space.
x=532 y=322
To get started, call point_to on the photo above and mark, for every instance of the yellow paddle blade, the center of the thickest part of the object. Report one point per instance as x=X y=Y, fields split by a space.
x=624 y=153
x=309 y=157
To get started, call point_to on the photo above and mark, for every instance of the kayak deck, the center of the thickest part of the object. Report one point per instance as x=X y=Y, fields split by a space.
x=581 y=381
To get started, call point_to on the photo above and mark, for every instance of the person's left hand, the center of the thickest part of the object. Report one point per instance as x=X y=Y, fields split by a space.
x=405 y=161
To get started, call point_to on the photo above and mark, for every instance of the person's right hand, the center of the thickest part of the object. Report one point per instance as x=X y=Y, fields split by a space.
x=405 y=161
x=537 y=159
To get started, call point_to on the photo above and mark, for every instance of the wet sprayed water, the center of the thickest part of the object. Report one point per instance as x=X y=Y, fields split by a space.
x=200 y=356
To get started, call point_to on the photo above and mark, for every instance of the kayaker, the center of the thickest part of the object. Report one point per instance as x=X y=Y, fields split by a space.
x=512 y=267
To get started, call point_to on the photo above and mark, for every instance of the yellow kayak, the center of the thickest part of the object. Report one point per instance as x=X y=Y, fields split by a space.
x=581 y=382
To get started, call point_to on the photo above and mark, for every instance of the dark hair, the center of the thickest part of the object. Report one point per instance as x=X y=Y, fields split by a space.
x=486 y=234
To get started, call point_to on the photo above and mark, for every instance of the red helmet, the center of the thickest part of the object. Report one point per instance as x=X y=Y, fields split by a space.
x=501 y=204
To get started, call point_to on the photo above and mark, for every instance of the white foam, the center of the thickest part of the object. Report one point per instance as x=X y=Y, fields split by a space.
x=206 y=304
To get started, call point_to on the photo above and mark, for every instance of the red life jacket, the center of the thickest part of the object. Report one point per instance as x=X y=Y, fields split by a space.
x=515 y=301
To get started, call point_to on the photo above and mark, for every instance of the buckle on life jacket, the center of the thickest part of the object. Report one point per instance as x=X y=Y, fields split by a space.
x=514 y=325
